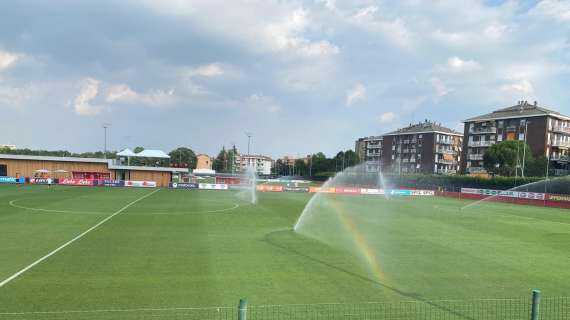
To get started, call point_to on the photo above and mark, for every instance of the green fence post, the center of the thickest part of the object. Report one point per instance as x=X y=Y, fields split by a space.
x=242 y=309
x=535 y=304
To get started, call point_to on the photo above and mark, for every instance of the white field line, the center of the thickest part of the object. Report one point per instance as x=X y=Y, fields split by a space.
x=17 y=274
x=114 y=310
x=13 y=204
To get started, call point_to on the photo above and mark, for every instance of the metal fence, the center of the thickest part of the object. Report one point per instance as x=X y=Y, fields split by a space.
x=549 y=308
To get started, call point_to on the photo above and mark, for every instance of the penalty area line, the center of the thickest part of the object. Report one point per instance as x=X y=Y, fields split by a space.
x=81 y=235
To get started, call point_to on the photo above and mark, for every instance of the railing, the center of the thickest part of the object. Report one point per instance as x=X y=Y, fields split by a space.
x=561 y=172
x=441 y=171
x=565 y=144
x=443 y=161
x=445 y=150
x=560 y=158
x=565 y=130
x=480 y=143
x=475 y=169
x=449 y=142
x=483 y=130
x=524 y=308
x=474 y=157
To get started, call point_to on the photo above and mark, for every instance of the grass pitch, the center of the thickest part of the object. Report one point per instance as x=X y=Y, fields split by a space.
x=194 y=248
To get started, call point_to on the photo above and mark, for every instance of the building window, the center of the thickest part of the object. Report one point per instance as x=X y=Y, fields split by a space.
x=500 y=124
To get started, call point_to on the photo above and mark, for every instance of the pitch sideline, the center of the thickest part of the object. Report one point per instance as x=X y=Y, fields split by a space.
x=81 y=235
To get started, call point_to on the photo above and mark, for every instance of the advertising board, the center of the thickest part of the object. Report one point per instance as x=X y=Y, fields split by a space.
x=504 y=193
x=112 y=183
x=76 y=182
x=41 y=180
x=347 y=190
x=269 y=188
x=372 y=191
x=213 y=186
x=11 y=180
x=429 y=193
x=140 y=184
x=295 y=189
x=559 y=197
x=181 y=185
x=321 y=189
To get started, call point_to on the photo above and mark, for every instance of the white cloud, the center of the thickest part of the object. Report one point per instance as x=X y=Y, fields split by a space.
x=88 y=92
x=207 y=71
x=7 y=59
x=124 y=94
x=387 y=117
x=120 y=92
x=440 y=88
x=456 y=64
x=519 y=88
x=13 y=97
x=552 y=9
x=262 y=102
x=288 y=35
x=357 y=93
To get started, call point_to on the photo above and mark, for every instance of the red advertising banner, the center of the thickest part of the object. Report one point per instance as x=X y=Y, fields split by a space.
x=76 y=182
x=559 y=197
x=321 y=189
x=347 y=190
x=269 y=188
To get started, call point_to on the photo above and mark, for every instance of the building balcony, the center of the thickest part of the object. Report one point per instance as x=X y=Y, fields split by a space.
x=561 y=172
x=409 y=151
x=560 y=158
x=475 y=157
x=561 y=144
x=480 y=143
x=443 y=171
x=443 y=161
x=446 y=142
x=475 y=169
x=483 y=130
x=560 y=129
x=445 y=150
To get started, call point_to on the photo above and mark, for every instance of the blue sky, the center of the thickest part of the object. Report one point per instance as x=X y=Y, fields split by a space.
x=302 y=76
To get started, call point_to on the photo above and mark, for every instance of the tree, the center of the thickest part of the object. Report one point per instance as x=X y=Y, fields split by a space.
x=183 y=157
x=221 y=161
x=501 y=158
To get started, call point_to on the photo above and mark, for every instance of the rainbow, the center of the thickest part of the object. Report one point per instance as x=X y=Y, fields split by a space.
x=361 y=243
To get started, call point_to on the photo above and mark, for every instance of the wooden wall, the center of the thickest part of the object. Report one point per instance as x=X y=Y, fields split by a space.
x=162 y=178
x=26 y=168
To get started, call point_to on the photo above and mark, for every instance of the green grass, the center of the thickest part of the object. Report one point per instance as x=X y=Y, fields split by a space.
x=182 y=248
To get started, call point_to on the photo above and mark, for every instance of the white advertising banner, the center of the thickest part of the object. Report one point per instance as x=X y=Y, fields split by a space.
x=505 y=193
x=371 y=191
x=213 y=186
x=140 y=184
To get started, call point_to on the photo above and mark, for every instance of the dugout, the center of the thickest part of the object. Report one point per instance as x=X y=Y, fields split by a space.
x=84 y=168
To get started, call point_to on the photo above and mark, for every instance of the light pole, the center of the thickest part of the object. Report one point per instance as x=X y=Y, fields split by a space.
x=249 y=135
x=105 y=126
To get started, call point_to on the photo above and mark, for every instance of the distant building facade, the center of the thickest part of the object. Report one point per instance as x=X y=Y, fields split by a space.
x=261 y=164
x=369 y=151
x=546 y=132
x=203 y=161
x=425 y=147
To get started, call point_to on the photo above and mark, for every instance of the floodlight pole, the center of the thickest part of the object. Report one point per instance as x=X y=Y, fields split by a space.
x=249 y=135
x=105 y=126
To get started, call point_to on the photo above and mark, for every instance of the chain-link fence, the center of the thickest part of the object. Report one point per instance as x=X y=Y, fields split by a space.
x=550 y=308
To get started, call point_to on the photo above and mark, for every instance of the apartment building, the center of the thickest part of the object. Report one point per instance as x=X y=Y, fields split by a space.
x=369 y=151
x=546 y=132
x=261 y=164
x=425 y=147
